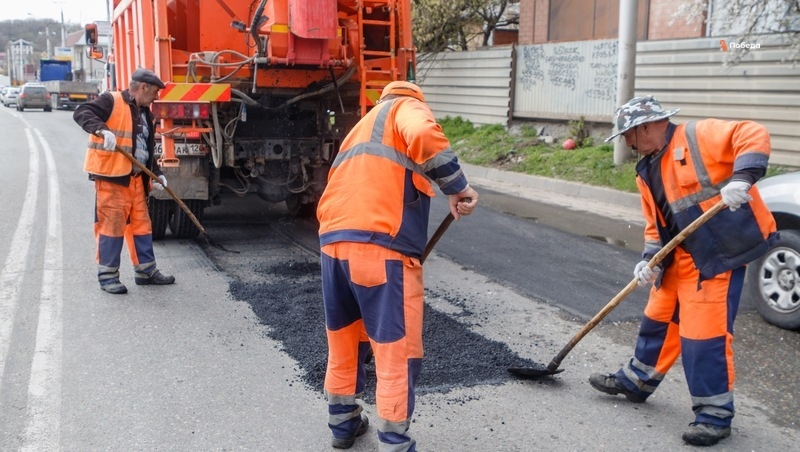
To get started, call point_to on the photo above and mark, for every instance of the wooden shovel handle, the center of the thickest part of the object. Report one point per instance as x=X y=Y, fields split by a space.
x=174 y=196
x=436 y=236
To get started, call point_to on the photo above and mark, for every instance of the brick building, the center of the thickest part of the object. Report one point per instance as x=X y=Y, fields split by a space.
x=542 y=21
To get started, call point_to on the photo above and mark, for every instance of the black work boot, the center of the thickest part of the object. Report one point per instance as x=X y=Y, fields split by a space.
x=156 y=278
x=703 y=434
x=609 y=384
x=346 y=443
x=113 y=286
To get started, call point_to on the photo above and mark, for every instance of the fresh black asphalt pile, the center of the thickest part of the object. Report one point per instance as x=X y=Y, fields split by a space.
x=290 y=305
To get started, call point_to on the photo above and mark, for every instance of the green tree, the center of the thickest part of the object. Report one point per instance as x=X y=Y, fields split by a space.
x=495 y=14
x=441 y=25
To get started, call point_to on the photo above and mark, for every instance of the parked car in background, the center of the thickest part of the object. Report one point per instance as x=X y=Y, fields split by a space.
x=10 y=96
x=34 y=95
x=773 y=281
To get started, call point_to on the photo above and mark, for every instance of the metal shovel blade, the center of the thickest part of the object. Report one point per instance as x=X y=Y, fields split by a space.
x=533 y=371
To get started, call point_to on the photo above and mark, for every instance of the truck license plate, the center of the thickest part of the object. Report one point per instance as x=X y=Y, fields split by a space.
x=184 y=148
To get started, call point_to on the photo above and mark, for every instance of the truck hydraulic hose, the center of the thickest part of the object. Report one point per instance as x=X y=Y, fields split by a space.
x=258 y=19
x=245 y=98
x=334 y=85
x=216 y=149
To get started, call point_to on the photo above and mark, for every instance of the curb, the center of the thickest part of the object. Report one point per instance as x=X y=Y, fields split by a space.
x=567 y=188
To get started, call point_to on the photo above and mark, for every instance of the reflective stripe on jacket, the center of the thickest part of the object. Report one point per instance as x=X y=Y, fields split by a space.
x=379 y=187
x=699 y=160
x=111 y=163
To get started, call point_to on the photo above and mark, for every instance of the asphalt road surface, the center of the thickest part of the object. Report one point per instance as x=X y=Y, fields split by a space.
x=230 y=357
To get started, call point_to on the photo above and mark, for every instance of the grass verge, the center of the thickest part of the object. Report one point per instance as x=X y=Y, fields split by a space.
x=523 y=152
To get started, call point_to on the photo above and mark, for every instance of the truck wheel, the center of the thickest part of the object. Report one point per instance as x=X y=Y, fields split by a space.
x=159 y=216
x=298 y=209
x=773 y=282
x=180 y=224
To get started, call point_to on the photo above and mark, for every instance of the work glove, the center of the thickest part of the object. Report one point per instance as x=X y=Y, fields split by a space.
x=160 y=185
x=735 y=194
x=645 y=274
x=109 y=140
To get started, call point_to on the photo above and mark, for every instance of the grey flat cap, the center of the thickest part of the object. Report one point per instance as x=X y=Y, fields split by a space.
x=147 y=76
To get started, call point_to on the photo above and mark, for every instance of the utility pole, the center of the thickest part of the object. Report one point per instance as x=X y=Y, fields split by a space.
x=63 y=30
x=626 y=66
x=49 y=48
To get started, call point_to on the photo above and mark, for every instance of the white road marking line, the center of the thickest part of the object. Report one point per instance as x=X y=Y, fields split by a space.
x=44 y=389
x=13 y=272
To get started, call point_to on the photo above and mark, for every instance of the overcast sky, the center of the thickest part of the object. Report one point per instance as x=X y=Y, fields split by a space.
x=76 y=11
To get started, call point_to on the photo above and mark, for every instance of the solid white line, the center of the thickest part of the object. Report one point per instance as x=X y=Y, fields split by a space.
x=13 y=272
x=44 y=389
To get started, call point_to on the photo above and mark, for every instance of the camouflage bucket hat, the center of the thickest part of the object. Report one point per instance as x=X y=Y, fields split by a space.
x=636 y=111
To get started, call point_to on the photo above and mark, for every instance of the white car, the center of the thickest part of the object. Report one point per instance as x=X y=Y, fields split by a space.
x=10 y=96
x=773 y=281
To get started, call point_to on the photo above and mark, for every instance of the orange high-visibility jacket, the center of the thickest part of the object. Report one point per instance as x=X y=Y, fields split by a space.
x=379 y=187
x=699 y=160
x=110 y=163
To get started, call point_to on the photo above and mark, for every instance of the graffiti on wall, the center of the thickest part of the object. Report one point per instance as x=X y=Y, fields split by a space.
x=533 y=57
x=604 y=71
x=563 y=65
x=571 y=73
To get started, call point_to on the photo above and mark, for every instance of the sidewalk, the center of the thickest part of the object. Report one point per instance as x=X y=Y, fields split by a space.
x=598 y=200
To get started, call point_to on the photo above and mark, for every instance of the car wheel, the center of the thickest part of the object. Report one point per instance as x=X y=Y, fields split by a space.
x=773 y=282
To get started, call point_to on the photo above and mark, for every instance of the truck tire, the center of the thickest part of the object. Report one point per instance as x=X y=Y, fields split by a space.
x=159 y=216
x=180 y=224
x=298 y=209
x=773 y=282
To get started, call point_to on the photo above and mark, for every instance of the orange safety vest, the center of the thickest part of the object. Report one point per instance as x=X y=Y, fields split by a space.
x=699 y=160
x=110 y=163
x=379 y=187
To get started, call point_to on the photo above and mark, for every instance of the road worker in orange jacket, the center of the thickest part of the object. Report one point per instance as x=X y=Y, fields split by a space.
x=686 y=169
x=123 y=120
x=373 y=228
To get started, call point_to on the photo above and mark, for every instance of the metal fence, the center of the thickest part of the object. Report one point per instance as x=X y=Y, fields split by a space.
x=566 y=80
x=689 y=74
x=562 y=81
x=474 y=85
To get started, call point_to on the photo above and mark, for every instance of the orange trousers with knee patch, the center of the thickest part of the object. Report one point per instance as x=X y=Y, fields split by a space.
x=694 y=321
x=121 y=213
x=374 y=294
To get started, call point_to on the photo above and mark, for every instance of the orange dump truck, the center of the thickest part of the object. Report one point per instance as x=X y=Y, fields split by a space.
x=259 y=92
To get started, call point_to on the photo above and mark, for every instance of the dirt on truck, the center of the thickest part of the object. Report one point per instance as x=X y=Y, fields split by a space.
x=259 y=94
